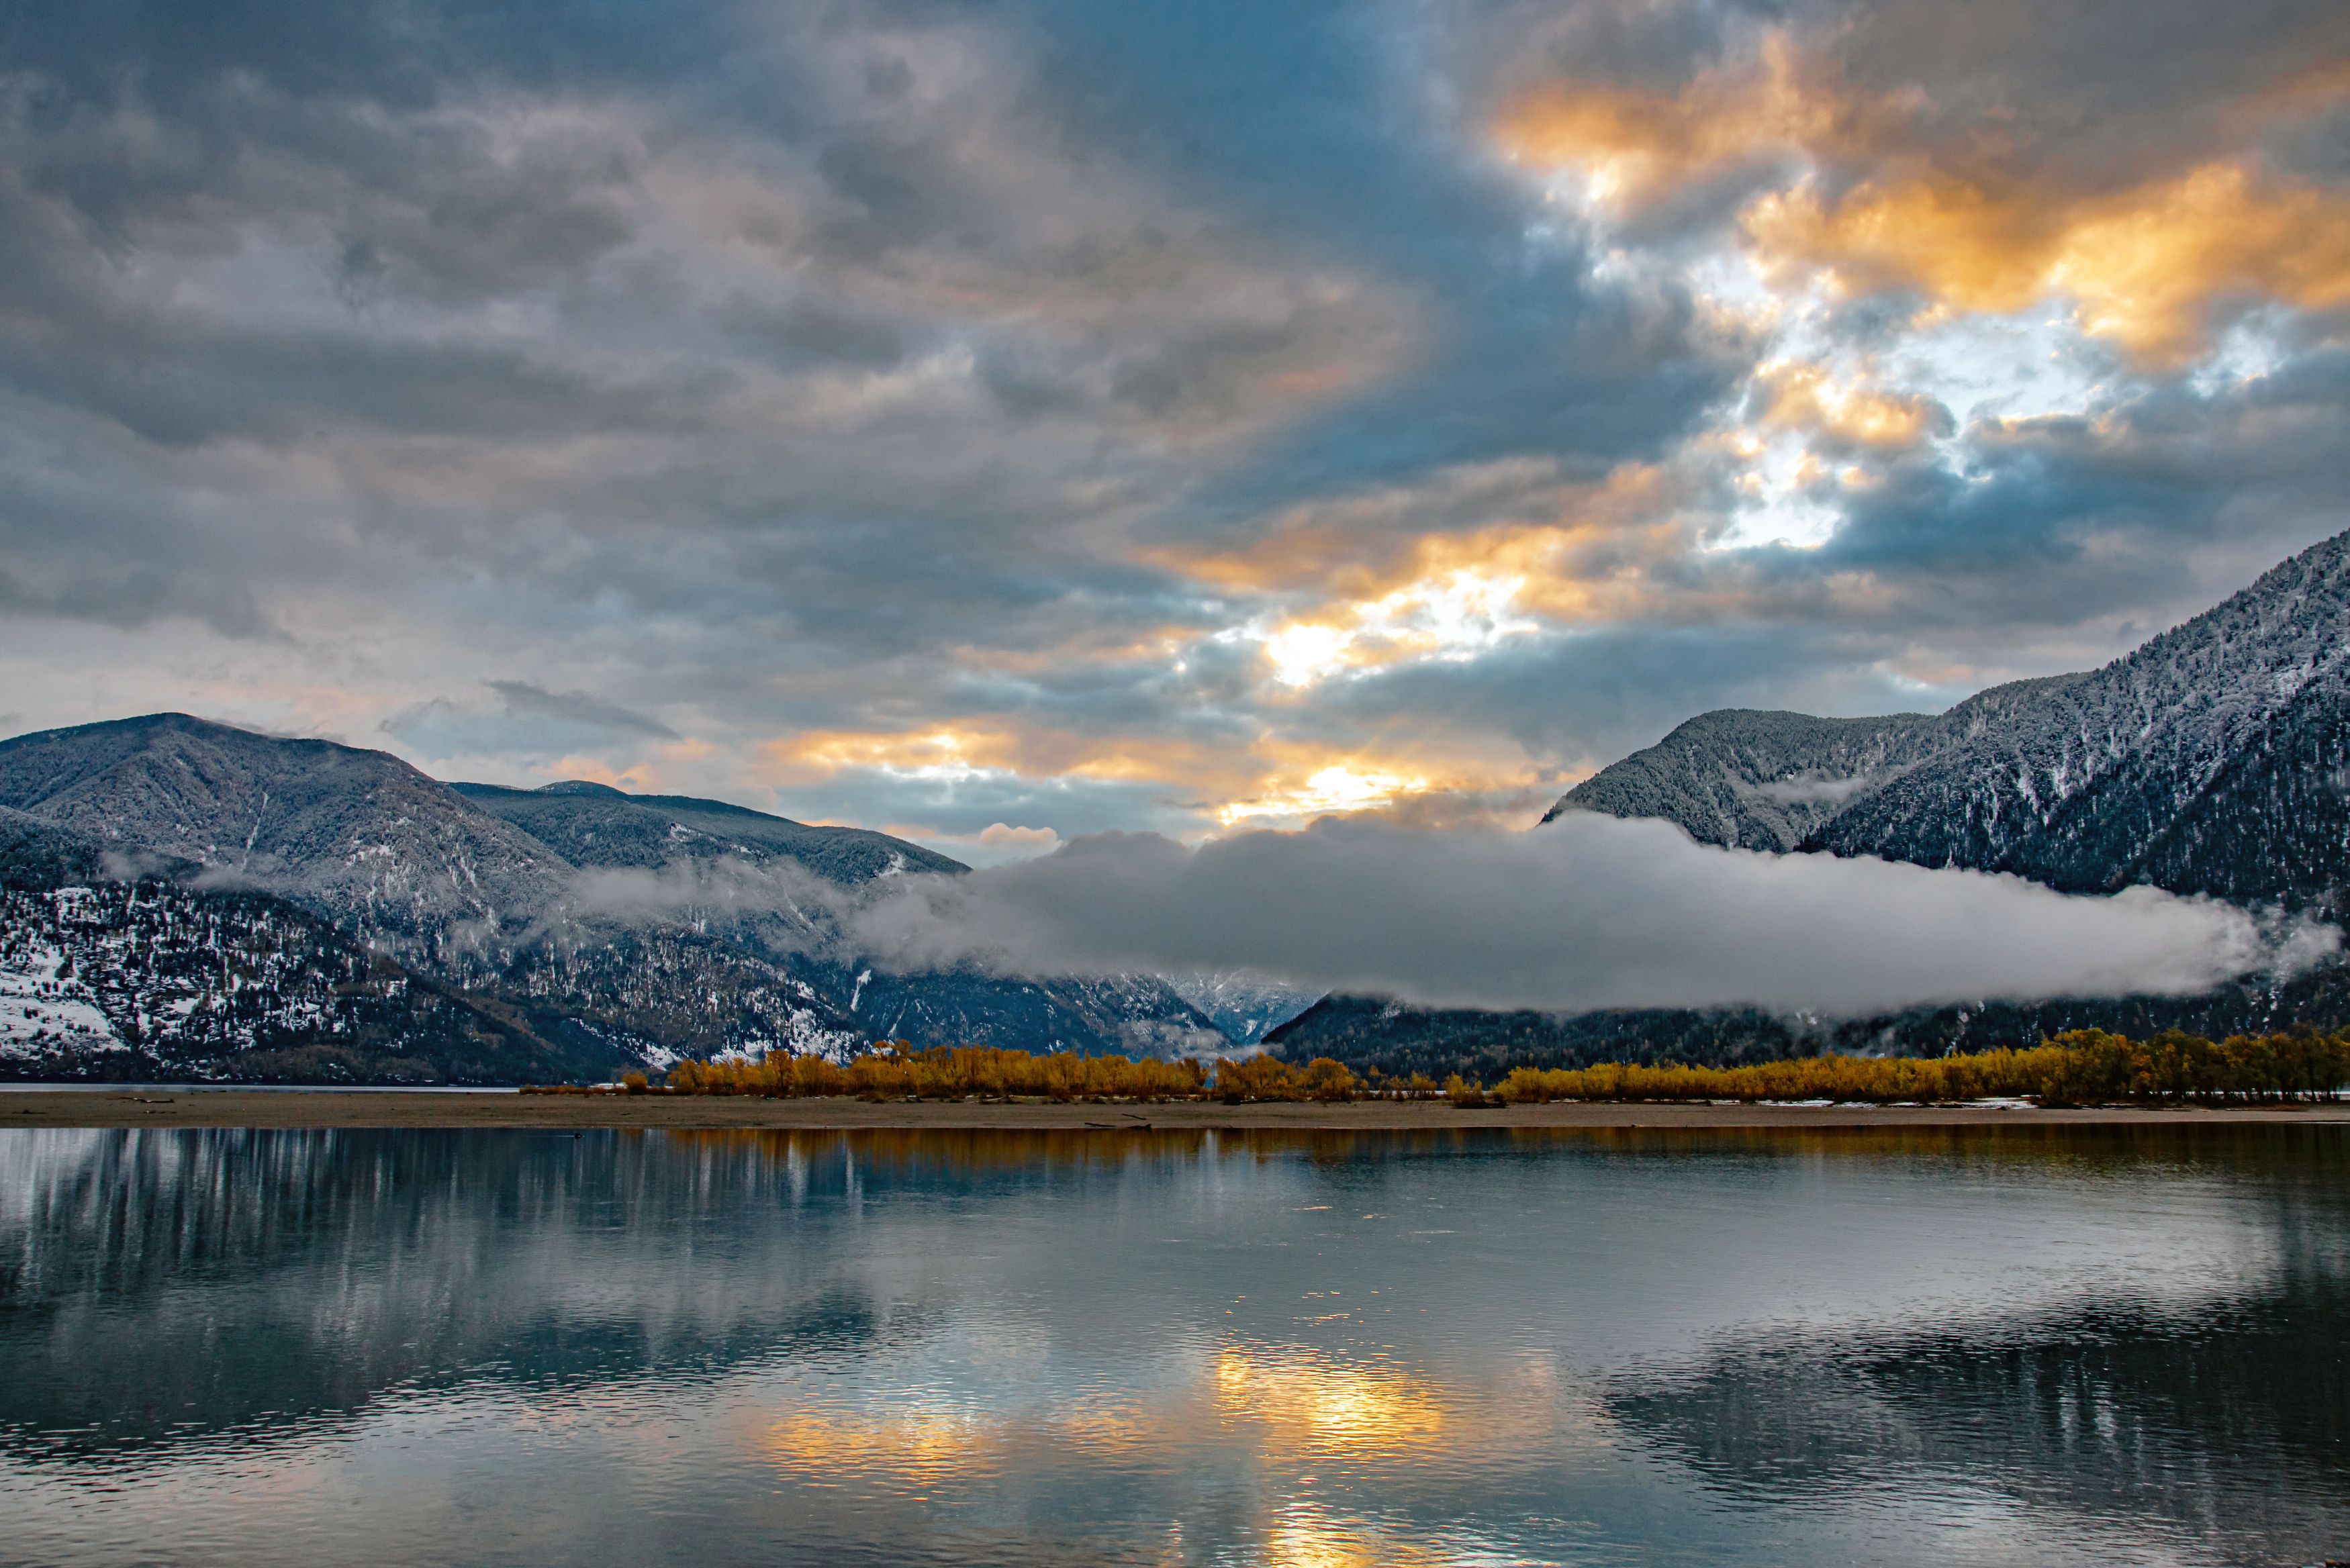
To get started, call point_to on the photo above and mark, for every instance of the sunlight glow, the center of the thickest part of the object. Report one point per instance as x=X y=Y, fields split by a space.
x=1333 y=789
x=1454 y=615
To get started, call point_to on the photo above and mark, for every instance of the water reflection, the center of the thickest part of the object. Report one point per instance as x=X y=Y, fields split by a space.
x=2234 y=1421
x=1891 y=1347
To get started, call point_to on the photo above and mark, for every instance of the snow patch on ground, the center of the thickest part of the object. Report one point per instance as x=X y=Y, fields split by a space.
x=40 y=1014
x=801 y=1036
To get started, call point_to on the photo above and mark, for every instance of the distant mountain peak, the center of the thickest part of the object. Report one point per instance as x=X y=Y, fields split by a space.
x=357 y=835
x=2209 y=760
x=581 y=787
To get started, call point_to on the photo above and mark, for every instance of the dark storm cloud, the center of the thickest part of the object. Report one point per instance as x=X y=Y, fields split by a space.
x=2066 y=82
x=389 y=231
x=578 y=708
x=1320 y=120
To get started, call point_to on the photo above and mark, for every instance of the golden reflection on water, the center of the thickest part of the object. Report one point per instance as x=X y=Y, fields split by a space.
x=1304 y=1539
x=927 y=1445
x=1306 y=1401
x=1313 y=1424
x=911 y=1344
x=1287 y=1403
x=917 y=1447
x=1330 y=1451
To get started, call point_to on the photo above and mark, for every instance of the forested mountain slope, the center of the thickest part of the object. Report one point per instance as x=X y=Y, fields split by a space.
x=2141 y=772
x=497 y=932
x=2208 y=759
x=359 y=836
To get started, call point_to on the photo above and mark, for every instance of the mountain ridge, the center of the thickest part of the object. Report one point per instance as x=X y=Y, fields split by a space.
x=2143 y=770
x=357 y=834
x=596 y=824
x=484 y=893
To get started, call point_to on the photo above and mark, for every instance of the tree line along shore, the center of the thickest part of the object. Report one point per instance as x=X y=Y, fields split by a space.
x=2083 y=1067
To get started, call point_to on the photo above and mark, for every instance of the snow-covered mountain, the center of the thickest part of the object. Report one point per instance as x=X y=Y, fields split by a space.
x=153 y=979
x=521 y=932
x=2211 y=760
x=359 y=836
x=1245 y=1005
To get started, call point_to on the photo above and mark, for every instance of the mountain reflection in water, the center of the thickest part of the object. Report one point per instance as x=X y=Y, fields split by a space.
x=2084 y=1345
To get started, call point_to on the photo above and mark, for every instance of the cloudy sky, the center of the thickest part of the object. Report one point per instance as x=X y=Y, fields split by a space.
x=1002 y=420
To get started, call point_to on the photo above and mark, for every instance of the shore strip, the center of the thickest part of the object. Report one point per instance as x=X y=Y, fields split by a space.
x=135 y=1107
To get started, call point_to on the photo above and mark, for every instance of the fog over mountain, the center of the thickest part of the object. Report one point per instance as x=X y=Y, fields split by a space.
x=1589 y=913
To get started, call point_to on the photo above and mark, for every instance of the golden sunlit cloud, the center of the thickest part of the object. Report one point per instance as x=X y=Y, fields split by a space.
x=1435 y=597
x=943 y=753
x=1808 y=398
x=993 y=746
x=1380 y=591
x=1272 y=779
x=2144 y=267
x=1631 y=148
x=1868 y=205
x=1497 y=519
x=1336 y=788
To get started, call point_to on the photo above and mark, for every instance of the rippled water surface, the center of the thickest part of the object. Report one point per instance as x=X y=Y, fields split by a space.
x=2097 y=1346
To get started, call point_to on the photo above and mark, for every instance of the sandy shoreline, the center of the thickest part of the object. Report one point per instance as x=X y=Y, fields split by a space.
x=135 y=1106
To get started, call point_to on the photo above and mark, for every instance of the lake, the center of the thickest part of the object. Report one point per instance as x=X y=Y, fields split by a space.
x=2080 y=1345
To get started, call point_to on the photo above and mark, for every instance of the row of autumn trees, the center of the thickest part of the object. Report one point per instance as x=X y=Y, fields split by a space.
x=2085 y=1067
x=959 y=1073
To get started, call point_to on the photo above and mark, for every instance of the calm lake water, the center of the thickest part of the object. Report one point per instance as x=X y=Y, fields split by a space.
x=2097 y=1346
